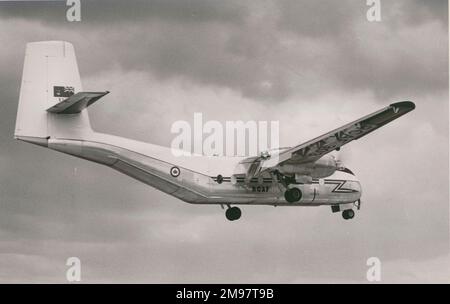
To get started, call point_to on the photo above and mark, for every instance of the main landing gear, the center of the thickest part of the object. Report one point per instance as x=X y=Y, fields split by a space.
x=290 y=195
x=233 y=213
x=293 y=195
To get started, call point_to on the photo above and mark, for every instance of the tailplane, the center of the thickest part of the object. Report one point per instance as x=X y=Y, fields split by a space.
x=76 y=103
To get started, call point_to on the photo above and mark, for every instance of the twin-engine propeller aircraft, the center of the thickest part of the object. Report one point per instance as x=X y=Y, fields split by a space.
x=53 y=113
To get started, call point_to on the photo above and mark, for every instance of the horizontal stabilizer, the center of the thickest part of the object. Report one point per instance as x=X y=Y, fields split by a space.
x=77 y=102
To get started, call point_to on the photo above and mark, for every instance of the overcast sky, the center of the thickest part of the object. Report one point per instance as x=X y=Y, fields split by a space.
x=312 y=65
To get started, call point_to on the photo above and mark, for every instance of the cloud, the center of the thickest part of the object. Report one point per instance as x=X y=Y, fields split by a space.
x=268 y=52
x=104 y=12
x=431 y=271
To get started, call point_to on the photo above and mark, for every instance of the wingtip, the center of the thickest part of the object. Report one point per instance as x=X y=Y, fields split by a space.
x=407 y=105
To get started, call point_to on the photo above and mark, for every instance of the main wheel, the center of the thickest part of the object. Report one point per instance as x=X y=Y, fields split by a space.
x=348 y=214
x=293 y=195
x=233 y=213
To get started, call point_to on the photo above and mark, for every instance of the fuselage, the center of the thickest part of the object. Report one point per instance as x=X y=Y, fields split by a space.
x=199 y=179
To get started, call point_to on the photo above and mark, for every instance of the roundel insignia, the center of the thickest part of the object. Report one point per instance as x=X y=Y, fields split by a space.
x=175 y=171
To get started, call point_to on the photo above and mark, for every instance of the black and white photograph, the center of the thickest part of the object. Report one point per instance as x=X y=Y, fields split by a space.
x=224 y=142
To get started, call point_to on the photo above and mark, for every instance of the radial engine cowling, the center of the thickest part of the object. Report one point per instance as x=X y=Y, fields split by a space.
x=323 y=167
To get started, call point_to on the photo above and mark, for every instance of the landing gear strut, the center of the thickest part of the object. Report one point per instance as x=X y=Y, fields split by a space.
x=348 y=214
x=290 y=195
x=284 y=179
x=233 y=213
x=293 y=195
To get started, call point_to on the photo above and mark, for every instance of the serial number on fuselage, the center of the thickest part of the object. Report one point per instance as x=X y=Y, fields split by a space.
x=260 y=189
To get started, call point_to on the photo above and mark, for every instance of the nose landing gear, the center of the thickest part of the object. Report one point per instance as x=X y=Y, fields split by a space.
x=233 y=213
x=348 y=214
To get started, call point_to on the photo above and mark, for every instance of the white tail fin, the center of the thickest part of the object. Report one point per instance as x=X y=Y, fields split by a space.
x=50 y=75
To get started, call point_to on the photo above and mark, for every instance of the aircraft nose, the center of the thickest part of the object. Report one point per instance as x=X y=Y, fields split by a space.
x=358 y=188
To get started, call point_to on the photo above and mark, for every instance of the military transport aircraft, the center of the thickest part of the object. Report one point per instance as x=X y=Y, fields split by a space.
x=52 y=113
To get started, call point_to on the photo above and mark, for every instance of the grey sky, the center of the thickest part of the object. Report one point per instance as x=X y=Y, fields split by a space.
x=313 y=65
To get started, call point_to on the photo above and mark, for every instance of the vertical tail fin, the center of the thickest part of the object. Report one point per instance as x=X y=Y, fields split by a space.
x=50 y=75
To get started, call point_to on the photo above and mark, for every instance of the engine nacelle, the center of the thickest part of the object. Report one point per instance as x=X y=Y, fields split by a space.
x=323 y=167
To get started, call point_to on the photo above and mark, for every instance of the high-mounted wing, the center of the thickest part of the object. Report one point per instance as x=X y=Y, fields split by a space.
x=316 y=148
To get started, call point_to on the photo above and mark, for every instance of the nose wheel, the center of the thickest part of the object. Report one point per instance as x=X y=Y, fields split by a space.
x=233 y=213
x=348 y=214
